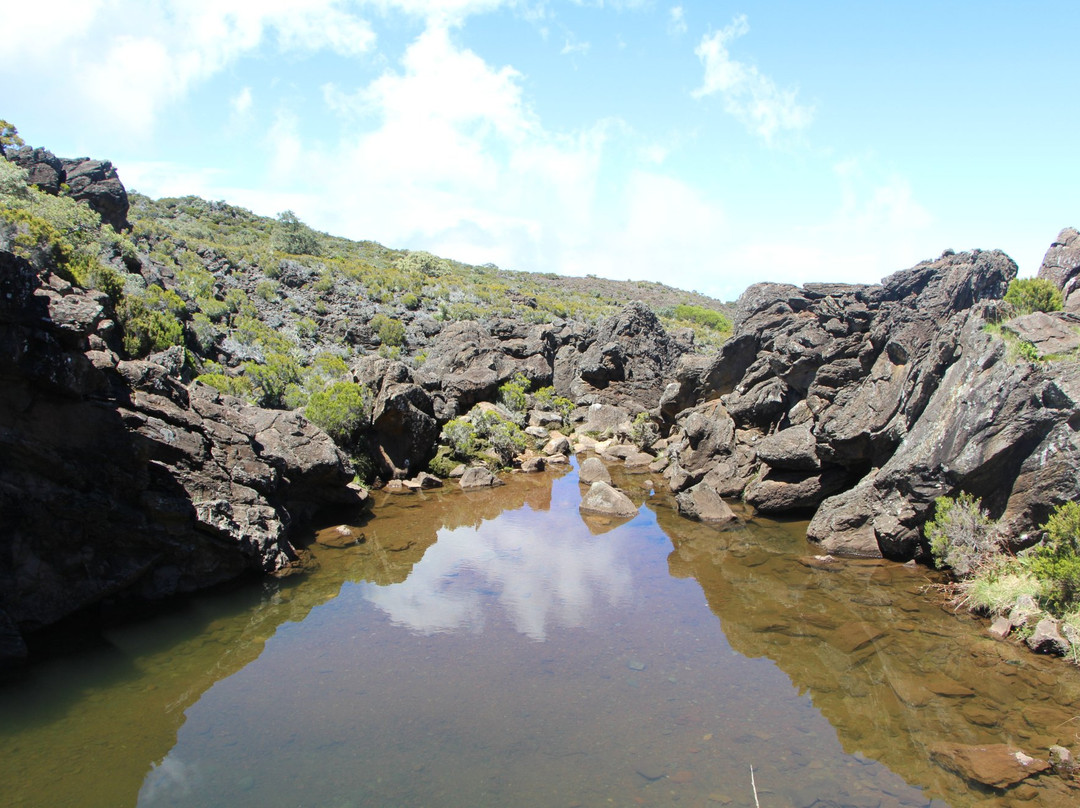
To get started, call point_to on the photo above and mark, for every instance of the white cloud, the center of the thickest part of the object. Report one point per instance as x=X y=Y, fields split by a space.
x=242 y=102
x=573 y=46
x=558 y=576
x=127 y=60
x=676 y=21
x=752 y=98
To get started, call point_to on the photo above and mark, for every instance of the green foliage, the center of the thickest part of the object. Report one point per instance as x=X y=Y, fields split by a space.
x=271 y=378
x=267 y=290
x=702 y=316
x=961 y=535
x=1028 y=295
x=306 y=327
x=1022 y=349
x=460 y=437
x=293 y=236
x=513 y=393
x=443 y=462
x=390 y=331
x=504 y=437
x=9 y=136
x=341 y=410
x=151 y=321
x=997 y=584
x=239 y=386
x=410 y=301
x=1056 y=562
x=546 y=399
x=643 y=432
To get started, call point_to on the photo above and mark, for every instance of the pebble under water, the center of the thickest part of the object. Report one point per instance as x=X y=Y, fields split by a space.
x=494 y=648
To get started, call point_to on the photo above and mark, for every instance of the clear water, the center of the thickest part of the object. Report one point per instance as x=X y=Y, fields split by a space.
x=495 y=649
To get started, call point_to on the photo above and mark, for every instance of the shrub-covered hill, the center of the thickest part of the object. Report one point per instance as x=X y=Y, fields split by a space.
x=285 y=262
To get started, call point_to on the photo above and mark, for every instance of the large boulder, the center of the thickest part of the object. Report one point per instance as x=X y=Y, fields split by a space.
x=403 y=429
x=606 y=500
x=627 y=362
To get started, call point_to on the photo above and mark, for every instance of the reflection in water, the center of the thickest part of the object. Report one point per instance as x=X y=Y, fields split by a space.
x=492 y=649
x=538 y=571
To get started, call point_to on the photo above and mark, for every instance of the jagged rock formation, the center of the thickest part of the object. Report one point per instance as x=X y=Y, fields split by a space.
x=117 y=480
x=862 y=404
x=92 y=181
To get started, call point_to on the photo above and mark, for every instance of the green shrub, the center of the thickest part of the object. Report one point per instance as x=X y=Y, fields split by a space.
x=410 y=301
x=341 y=410
x=271 y=378
x=643 y=432
x=512 y=394
x=997 y=584
x=151 y=321
x=293 y=236
x=1028 y=295
x=390 y=331
x=239 y=386
x=961 y=535
x=460 y=436
x=702 y=316
x=546 y=399
x=1056 y=562
x=267 y=290
x=504 y=437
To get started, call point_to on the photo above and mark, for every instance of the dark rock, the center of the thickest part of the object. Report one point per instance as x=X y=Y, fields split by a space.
x=1054 y=333
x=197 y=488
x=605 y=500
x=44 y=169
x=794 y=449
x=627 y=363
x=532 y=465
x=97 y=183
x=479 y=477
x=403 y=426
x=1061 y=266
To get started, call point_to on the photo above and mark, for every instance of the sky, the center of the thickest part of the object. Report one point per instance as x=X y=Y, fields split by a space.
x=706 y=145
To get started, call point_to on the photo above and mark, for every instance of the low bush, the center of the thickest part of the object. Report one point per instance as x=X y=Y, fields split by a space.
x=1029 y=295
x=1056 y=561
x=961 y=535
x=341 y=410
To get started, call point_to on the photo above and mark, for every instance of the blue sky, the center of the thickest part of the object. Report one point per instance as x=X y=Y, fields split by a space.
x=708 y=145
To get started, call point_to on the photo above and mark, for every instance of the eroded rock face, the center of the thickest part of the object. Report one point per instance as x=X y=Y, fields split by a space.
x=862 y=404
x=117 y=480
x=1061 y=266
x=92 y=181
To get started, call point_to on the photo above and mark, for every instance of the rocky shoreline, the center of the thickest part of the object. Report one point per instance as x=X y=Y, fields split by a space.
x=856 y=405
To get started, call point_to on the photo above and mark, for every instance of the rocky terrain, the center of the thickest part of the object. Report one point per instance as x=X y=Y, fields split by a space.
x=125 y=474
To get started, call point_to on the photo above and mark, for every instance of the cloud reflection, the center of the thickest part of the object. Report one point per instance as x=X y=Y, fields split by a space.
x=542 y=567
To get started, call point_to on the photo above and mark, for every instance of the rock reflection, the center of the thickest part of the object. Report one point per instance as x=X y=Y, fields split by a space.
x=893 y=671
x=554 y=573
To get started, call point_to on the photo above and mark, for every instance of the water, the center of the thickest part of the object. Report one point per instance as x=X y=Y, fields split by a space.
x=495 y=649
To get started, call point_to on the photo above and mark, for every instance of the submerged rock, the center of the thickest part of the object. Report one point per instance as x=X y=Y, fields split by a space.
x=994 y=765
x=593 y=470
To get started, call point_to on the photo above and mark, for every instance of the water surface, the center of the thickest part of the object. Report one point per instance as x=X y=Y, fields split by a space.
x=495 y=649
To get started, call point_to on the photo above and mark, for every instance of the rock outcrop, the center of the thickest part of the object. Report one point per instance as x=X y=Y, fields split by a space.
x=117 y=480
x=92 y=181
x=862 y=404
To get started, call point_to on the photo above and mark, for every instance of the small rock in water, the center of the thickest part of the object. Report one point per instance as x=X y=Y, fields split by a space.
x=635 y=665
x=650 y=771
